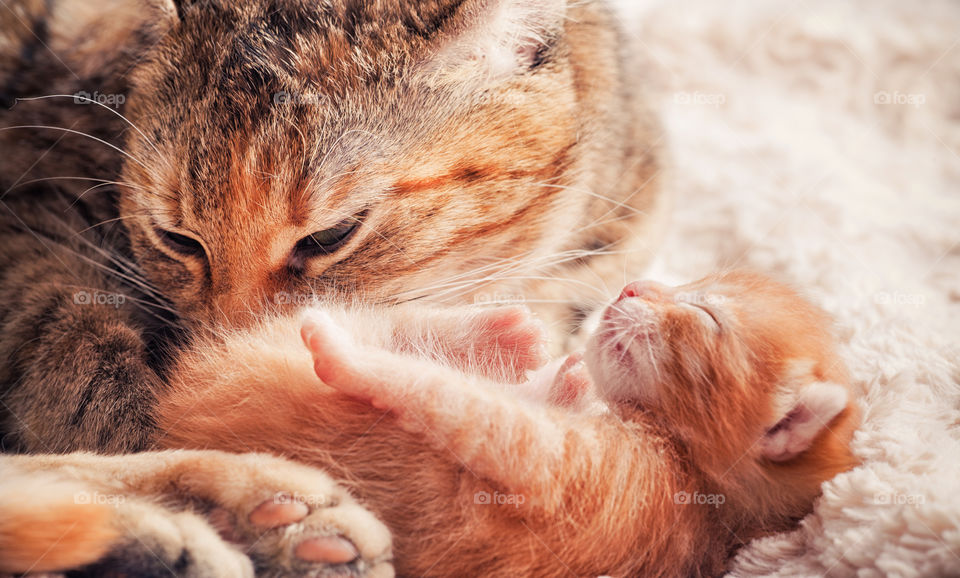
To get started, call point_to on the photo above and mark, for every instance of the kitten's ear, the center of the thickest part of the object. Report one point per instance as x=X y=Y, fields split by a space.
x=816 y=406
x=494 y=39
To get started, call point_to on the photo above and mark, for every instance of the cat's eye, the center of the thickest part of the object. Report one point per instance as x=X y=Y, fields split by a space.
x=329 y=240
x=181 y=244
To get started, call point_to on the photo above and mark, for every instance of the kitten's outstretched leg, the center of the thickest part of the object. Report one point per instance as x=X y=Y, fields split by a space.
x=503 y=439
x=500 y=343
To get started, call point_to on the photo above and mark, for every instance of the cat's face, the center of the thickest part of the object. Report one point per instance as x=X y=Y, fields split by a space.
x=293 y=149
x=732 y=357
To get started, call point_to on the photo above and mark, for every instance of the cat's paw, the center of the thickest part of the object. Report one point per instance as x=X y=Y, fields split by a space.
x=291 y=520
x=341 y=363
x=203 y=514
x=160 y=542
x=505 y=343
x=571 y=384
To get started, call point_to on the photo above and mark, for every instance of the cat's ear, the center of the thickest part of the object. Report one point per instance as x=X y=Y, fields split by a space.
x=181 y=6
x=172 y=9
x=494 y=39
x=812 y=411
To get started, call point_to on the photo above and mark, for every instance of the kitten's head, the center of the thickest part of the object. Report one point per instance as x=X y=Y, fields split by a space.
x=741 y=368
x=289 y=148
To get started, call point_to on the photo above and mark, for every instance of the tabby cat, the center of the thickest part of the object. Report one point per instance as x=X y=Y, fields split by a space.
x=171 y=168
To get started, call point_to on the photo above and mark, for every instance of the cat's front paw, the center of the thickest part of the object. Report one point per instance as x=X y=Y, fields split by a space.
x=157 y=542
x=292 y=520
x=194 y=514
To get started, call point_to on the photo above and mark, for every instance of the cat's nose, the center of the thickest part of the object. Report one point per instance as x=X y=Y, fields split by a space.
x=646 y=290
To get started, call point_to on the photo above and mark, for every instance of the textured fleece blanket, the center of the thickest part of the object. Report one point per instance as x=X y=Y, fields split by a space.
x=820 y=141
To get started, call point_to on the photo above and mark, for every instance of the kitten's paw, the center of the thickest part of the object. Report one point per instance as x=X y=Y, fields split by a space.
x=337 y=360
x=505 y=343
x=572 y=382
x=293 y=520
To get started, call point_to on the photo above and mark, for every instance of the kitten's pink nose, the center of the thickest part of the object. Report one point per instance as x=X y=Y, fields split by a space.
x=646 y=290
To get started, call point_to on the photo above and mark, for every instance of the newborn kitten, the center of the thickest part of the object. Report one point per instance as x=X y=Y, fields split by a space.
x=727 y=408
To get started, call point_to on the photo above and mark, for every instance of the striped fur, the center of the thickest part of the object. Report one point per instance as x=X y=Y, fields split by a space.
x=254 y=124
x=495 y=149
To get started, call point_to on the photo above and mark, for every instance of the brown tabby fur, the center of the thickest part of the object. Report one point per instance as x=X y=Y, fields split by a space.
x=475 y=181
x=540 y=184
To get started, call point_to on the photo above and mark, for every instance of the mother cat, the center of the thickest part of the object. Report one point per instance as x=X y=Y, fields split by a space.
x=216 y=162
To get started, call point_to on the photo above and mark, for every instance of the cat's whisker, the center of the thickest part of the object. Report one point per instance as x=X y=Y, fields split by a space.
x=470 y=278
x=623 y=203
x=653 y=360
x=90 y=179
x=124 y=184
x=148 y=307
x=80 y=196
x=129 y=272
x=320 y=164
x=108 y=221
x=79 y=133
x=303 y=141
x=100 y=104
x=589 y=192
x=455 y=291
x=601 y=223
x=133 y=281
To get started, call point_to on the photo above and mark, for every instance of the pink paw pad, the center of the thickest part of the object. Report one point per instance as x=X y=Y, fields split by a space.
x=510 y=342
x=279 y=511
x=572 y=382
x=327 y=550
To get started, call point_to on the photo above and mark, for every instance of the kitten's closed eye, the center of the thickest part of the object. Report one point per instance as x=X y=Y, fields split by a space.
x=708 y=317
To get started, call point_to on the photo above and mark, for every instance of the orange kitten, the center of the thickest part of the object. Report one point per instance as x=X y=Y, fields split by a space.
x=727 y=409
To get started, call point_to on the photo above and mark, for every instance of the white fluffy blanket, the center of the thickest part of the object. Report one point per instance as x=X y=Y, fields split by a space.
x=820 y=140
